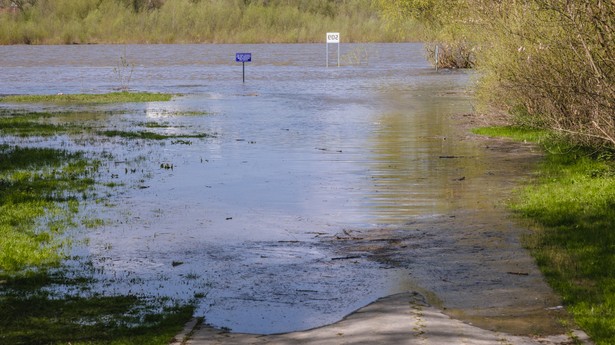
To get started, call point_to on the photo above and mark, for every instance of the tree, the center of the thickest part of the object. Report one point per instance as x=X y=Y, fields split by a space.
x=444 y=22
x=433 y=13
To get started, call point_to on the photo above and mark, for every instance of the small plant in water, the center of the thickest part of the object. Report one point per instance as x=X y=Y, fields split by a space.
x=359 y=56
x=123 y=72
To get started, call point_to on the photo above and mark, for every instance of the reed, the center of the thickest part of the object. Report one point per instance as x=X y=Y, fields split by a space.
x=113 y=97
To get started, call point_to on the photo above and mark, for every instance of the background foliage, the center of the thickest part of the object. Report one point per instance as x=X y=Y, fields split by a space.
x=191 y=21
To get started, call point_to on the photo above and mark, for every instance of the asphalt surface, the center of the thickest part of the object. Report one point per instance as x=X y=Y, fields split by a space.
x=399 y=319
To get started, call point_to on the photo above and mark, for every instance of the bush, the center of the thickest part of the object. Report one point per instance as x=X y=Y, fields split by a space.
x=554 y=60
x=550 y=61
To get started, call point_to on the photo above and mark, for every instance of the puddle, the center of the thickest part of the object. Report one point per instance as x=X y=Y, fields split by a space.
x=316 y=191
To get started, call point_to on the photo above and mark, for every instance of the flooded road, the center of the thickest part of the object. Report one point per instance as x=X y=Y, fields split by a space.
x=315 y=192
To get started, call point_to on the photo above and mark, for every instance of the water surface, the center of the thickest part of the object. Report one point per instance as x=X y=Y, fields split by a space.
x=260 y=220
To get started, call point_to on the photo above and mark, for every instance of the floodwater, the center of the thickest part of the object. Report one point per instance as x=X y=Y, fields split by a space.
x=318 y=191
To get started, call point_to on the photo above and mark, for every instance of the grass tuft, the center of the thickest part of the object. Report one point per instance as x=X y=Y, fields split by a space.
x=516 y=133
x=38 y=191
x=114 y=97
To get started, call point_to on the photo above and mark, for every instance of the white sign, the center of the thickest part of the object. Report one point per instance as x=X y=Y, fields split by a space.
x=333 y=37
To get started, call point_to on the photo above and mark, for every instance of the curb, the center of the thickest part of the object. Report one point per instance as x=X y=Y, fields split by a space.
x=182 y=337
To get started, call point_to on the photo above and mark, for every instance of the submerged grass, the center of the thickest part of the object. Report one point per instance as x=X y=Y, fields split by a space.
x=32 y=316
x=151 y=135
x=40 y=192
x=39 y=189
x=113 y=97
x=573 y=206
x=33 y=124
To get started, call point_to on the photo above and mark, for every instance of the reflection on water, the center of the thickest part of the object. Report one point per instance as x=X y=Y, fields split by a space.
x=297 y=153
x=410 y=178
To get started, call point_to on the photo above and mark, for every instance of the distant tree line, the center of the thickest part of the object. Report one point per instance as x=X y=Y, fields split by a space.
x=137 y=5
x=188 y=21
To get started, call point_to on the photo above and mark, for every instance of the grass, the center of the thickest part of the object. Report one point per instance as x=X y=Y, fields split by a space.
x=33 y=124
x=35 y=317
x=37 y=124
x=572 y=204
x=106 y=98
x=40 y=193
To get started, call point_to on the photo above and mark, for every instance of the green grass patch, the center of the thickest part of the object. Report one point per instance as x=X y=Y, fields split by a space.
x=516 y=133
x=572 y=204
x=24 y=126
x=191 y=113
x=39 y=193
x=114 y=97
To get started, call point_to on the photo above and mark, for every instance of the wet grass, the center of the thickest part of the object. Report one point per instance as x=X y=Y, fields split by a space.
x=166 y=113
x=32 y=316
x=40 y=194
x=33 y=124
x=572 y=205
x=156 y=125
x=24 y=127
x=150 y=135
x=114 y=97
x=38 y=124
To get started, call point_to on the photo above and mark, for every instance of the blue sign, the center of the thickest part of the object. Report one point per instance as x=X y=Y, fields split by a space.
x=243 y=57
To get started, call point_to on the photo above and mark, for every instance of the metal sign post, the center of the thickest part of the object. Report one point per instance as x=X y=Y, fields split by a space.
x=243 y=58
x=437 y=56
x=333 y=37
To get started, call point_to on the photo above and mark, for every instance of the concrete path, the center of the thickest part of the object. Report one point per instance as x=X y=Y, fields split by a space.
x=400 y=319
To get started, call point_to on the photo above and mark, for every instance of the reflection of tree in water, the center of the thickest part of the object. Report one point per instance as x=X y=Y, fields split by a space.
x=420 y=165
